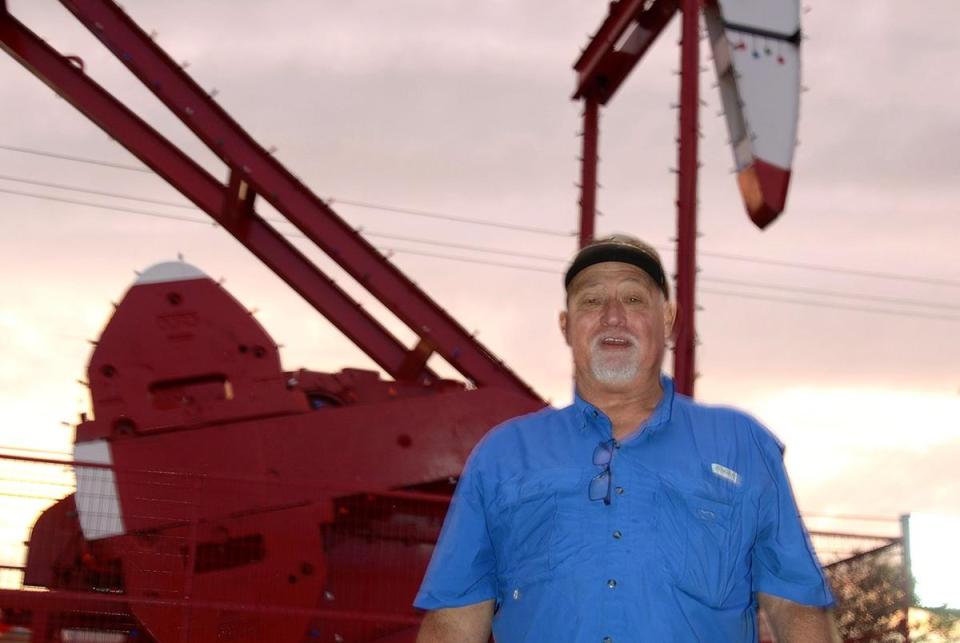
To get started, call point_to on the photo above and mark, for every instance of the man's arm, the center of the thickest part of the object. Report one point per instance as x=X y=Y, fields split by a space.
x=469 y=624
x=796 y=623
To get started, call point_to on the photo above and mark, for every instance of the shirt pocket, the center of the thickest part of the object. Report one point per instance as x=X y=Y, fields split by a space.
x=526 y=528
x=698 y=538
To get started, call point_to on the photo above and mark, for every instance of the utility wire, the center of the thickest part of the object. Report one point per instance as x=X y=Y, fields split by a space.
x=499 y=251
x=475 y=248
x=129 y=197
x=60 y=186
x=542 y=270
x=484 y=262
x=447 y=217
x=831 y=293
x=78 y=159
x=486 y=249
x=329 y=200
x=557 y=233
x=462 y=246
x=835 y=269
x=102 y=206
x=818 y=304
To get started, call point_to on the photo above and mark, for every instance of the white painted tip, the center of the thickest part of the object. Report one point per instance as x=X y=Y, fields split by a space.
x=98 y=503
x=169 y=271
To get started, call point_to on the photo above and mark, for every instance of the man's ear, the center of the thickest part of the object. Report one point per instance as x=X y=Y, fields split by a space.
x=563 y=326
x=669 y=318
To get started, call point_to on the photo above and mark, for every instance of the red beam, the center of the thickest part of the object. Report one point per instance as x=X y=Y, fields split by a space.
x=619 y=44
x=191 y=104
x=588 y=170
x=205 y=192
x=684 y=368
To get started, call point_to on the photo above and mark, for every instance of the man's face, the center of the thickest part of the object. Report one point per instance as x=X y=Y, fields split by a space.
x=616 y=325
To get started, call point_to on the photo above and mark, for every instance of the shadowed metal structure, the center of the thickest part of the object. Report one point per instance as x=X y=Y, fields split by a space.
x=219 y=497
x=756 y=52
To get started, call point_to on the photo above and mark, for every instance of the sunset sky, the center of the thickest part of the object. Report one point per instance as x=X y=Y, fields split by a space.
x=836 y=326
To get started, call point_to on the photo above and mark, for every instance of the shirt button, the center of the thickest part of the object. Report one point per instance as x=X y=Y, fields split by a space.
x=612 y=583
x=619 y=491
x=617 y=534
x=607 y=639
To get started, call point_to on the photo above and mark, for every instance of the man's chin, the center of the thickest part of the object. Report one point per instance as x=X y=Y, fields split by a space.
x=613 y=376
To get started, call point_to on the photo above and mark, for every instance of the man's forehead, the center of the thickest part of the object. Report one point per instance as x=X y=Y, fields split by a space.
x=610 y=271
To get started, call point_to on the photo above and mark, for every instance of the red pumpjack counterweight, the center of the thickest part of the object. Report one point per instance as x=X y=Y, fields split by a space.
x=220 y=498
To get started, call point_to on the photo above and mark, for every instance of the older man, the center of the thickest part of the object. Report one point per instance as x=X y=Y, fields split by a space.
x=633 y=514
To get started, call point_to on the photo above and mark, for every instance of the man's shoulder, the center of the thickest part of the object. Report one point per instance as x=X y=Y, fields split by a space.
x=522 y=426
x=521 y=442
x=726 y=421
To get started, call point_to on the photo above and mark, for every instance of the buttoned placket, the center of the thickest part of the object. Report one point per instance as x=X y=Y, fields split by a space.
x=609 y=576
x=617 y=538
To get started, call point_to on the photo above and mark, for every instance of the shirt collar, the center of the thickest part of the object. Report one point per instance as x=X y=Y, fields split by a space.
x=591 y=415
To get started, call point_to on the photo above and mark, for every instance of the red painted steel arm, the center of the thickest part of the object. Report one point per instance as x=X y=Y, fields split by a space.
x=588 y=170
x=685 y=334
x=205 y=192
x=619 y=44
x=189 y=102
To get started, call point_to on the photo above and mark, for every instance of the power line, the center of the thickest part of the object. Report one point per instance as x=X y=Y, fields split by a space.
x=835 y=269
x=102 y=206
x=329 y=200
x=545 y=231
x=469 y=247
x=475 y=248
x=527 y=267
x=462 y=246
x=77 y=159
x=818 y=304
x=115 y=195
x=448 y=217
x=61 y=186
x=832 y=293
x=484 y=262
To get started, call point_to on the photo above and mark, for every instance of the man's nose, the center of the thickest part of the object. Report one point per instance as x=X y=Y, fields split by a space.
x=613 y=312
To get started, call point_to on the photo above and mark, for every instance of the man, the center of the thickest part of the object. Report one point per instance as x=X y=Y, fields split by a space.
x=632 y=515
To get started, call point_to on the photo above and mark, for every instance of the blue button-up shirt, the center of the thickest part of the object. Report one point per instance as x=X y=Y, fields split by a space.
x=701 y=517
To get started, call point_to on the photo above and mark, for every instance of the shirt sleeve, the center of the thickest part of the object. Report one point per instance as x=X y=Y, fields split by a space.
x=462 y=570
x=784 y=563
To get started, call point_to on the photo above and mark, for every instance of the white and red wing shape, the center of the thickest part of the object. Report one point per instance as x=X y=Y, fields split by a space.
x=756 y=50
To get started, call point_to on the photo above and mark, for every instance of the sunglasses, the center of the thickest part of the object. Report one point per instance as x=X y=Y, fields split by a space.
x=602 y=483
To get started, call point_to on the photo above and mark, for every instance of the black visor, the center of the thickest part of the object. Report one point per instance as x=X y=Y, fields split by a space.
x=625 y=253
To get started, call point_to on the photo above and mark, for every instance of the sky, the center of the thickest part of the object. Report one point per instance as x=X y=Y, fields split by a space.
x=463 y=109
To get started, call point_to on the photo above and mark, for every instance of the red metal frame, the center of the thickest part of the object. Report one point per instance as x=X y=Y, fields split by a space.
x=626 y=34
x=588 y=170
x=350 y=473
x=341 y=481
x=254 y=171
x=685 y=335
x=622 y=40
